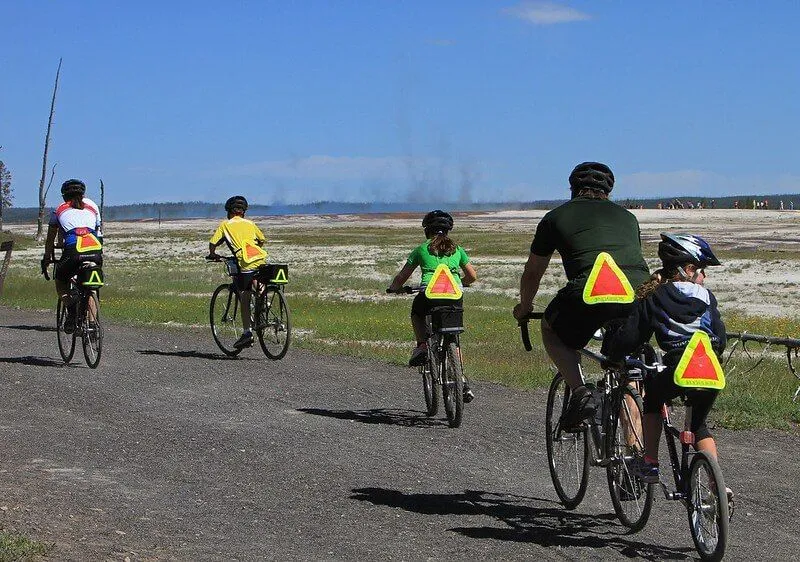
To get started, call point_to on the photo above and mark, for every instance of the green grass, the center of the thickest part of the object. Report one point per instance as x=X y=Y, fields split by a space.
x=340 y=308
x=14 y=546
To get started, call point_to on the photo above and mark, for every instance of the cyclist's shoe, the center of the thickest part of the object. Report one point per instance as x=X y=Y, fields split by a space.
x=246 y=340
x=581 y=406
x=469 y=396
x=645 y=471
x=69 y=321
x=419 y=355
x=731 y=503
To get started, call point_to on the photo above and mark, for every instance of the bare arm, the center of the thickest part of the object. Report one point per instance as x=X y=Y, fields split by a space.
x=469 y=276
x=529 y=283
x=401 y=277
x=50 y=243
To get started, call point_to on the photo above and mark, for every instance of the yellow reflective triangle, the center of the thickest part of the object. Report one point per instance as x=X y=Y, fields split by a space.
x=88 y=243
x=607 y=283
x=443 y=285
x=280 y=276
x=94 y=279
x=699 y=366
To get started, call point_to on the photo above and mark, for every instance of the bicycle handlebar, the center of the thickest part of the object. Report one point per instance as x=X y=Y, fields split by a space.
x=523 y=328
x=405 y=289
x=44 y=264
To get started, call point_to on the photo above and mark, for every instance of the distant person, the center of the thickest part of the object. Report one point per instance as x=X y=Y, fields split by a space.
x=78 y=223
x=791 y=205
x=586 y=231
x=245 y=240
x=754 y=204
x=781 y=205
x=673 y=305
x=736 y=204
x=438 y=248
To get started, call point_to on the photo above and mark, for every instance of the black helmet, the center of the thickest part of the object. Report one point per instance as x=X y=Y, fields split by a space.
x=236 y=203
x=73 y=187
x=437 y=221
x=592 y=175
x=677 y=249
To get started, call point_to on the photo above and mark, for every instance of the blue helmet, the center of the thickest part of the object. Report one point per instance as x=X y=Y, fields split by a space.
x=677 y=249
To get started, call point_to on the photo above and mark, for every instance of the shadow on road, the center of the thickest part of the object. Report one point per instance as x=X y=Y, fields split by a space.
x=525 y=521
x=386 y=416
x=31 y=360
x=192 y=354
x=32 y=328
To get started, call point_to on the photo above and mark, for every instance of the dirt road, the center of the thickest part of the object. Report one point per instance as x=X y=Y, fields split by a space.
x=168 y=451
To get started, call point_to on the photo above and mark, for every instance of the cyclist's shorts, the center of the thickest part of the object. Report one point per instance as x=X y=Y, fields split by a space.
x=574 y=321
x=67 y=265
x=662 y=388
x=422 y=304
x=244 y=280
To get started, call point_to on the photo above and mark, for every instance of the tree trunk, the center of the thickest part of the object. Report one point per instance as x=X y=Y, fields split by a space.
x=42 y=190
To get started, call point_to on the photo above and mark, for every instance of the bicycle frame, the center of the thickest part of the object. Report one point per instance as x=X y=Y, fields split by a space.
x=680 y=465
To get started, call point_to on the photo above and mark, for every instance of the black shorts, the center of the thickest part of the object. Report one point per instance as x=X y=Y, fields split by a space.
x=574 y=321
x=662 y=388
x=244 y=280
x=67 y=265
x=422 y=304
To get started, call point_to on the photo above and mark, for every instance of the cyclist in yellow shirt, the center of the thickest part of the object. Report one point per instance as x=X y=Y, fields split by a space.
x=244 y=239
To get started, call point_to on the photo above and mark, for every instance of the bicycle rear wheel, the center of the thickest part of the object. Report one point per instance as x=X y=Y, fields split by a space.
x=707 y=507
x=632 y=498
x=273 y=325
x=431 y=386
x=66 y=342
x=91 y=330
x=453 y=385
x=226 y=326
x=567 y=452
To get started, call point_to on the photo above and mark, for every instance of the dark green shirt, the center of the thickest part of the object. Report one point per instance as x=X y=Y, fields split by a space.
x=582 y=228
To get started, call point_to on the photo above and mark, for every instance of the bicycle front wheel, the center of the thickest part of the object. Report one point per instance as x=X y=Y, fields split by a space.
x=273 y=325
x=226 y=325
x=92 y=330
x=567 y=452
x=431 y=388
x=632 y=498
x=453 y=385
x=66 y=342
x=707 y=507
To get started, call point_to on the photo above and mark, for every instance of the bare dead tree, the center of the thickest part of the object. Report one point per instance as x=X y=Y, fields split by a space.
x=102 y=197
x=42 y=190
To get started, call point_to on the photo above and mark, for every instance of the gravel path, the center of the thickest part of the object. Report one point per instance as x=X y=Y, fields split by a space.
x=168 y=451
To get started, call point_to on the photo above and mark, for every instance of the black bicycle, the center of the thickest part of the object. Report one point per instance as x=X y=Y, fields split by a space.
x=269 y=312
x=698 y=480
x=84 y=299
x=612 y=439
x=443 y=372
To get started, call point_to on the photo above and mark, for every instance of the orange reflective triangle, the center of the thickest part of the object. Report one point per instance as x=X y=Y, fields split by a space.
x=607 y=283
x=443 y=284
x=699 y=366
x=251 y=253
x=88 y=243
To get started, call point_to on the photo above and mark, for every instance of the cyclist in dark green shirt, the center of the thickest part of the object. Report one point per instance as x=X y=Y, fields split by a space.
x=600 y=246
x=437 y=249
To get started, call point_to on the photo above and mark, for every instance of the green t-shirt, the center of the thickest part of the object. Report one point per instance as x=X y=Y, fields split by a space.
x=582 y=228
x=421 y=257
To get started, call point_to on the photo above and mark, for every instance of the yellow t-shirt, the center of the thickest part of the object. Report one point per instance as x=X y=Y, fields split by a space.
x=244 y=239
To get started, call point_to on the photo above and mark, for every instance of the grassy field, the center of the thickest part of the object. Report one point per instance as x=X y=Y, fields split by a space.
x=14 y=546
x=336 y=295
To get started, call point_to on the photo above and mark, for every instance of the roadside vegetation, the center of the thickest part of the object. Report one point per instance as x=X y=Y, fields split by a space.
x=336 y=295
x=16 y=547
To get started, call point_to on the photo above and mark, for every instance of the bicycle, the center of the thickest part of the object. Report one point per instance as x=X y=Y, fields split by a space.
x=698 y=479
x=269 y=311
x=443 y=371
x=612 y=439
x=84 y=292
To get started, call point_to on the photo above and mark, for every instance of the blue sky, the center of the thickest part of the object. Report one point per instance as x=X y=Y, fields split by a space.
x=392 y=101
